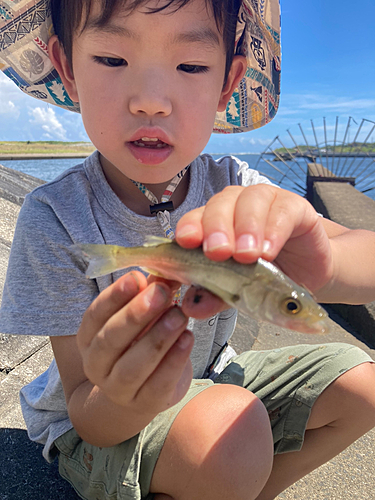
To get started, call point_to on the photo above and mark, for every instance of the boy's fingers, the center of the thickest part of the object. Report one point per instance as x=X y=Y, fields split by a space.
x=171 y=380
x=138 y=364
x=189 y=230
x=251 y=220
x=211 y=225
x=217 y=222
x=275 y=215
x=199 y=303
x=291 y=216
x=108 y=303
x=173 y=285
x=120 y=331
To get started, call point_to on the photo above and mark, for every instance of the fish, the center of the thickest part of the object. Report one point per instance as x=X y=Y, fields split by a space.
x=260 y=290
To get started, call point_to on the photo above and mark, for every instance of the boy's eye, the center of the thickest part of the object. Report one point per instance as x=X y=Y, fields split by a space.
x=193 y=68
x=112 y=62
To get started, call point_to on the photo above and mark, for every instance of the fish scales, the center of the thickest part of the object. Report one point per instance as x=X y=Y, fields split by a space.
x=259 y=290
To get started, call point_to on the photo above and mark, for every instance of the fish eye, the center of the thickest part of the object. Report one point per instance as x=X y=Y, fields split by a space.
x=291 y=306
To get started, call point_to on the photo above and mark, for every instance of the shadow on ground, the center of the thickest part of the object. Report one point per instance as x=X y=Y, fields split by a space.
x=24 y=474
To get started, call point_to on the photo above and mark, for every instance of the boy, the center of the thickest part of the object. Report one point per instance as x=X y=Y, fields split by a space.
x=125 y=418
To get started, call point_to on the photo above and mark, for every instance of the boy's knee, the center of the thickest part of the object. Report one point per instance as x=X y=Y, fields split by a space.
x=350 y=398
x=239 y=453
x=358 y=386
x=221 y=446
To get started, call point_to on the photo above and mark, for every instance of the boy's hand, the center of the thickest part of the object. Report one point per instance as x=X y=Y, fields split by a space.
x=262 y=221
x=135 y=346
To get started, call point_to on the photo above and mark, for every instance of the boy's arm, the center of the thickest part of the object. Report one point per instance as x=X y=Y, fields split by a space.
x=335 y=263
x=128 y=362
x=353 y=280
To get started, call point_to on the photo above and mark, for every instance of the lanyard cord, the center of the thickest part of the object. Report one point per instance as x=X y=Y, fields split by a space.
x=162 y=209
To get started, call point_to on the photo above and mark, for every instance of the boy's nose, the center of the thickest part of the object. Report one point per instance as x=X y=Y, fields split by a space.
x=150 y=98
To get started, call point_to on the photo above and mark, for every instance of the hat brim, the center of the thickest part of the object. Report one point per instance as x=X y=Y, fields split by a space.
x=26 y=27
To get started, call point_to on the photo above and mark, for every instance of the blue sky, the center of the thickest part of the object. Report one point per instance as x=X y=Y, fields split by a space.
x=328 y=70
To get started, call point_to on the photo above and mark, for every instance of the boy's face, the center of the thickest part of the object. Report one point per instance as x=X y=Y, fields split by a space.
x=151 y=76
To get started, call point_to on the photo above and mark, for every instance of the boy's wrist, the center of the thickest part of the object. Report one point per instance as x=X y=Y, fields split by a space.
x=352 y=276
x=328 y=292
x=102 y=422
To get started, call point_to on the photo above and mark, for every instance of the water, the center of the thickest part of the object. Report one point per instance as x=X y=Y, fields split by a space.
x=290 y=174
x=47 y=170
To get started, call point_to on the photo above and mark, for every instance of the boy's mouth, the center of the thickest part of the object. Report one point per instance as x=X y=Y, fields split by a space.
x=150 y=142
x=150 y=150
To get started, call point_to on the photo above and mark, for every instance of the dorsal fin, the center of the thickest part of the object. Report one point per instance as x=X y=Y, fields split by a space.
x=155 y=241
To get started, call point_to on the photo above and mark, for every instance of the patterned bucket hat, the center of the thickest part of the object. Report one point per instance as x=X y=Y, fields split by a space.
x=26 y=26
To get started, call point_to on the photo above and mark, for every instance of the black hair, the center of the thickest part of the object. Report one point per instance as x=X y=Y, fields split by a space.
x=69 y=15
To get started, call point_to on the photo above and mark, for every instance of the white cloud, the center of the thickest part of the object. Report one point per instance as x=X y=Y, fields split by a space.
x=295 y=103
x=10 y=92
x=23 y=117
x=10 y=109
x=254 y=142
x=47 y=120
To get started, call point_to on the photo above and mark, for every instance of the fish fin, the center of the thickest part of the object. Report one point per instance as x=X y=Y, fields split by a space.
x=153 y=272
x=229 y=298
x=99 y=259
x=155 y=241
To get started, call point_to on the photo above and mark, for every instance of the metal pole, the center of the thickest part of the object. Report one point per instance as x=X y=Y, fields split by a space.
x=334 y=146
x=371 y=173
x=281 y=159
x=290 y=167
x=351 y=147
x=325 y=139
x=303 y=134
x=365 y=168
x=317 y=146
x=264 y=152
x=294 y=182
x=363 y=144
x=299 y=151
x=366 y=177
x=343 y=144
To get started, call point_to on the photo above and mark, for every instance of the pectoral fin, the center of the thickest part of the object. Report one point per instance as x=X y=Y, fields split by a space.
x=153 y=272
x=230 y=298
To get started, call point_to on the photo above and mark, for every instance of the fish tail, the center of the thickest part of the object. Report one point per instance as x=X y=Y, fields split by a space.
x=100 y=259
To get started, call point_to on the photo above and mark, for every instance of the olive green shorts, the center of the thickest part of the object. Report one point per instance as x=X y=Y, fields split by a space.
x=287 y=380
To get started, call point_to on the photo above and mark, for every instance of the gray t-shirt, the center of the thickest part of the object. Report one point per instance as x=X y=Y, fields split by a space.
x=46 y=291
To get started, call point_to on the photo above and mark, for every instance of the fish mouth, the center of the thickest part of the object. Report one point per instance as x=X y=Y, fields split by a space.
x=317 y=326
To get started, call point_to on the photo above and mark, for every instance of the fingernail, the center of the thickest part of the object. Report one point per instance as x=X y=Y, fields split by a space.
x=266 y=246
x=174 y=319
x=184 y=340
x=215 y=241
x=156 y=296
x=130 y=283
x=245 y=243
x=186 y=231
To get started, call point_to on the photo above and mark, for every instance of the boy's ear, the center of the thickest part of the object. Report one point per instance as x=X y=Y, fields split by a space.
x=59 y=60
x=236 y=73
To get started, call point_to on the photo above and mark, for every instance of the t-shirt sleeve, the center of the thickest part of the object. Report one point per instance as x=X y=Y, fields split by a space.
x=46 y=291
x=248 y=176
x=230 y=170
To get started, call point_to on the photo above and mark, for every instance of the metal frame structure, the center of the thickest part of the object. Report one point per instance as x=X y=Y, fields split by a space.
x=332 y=160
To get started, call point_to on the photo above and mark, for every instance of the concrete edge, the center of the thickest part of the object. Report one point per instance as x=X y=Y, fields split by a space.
x=344 y=204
